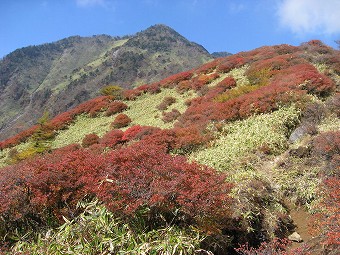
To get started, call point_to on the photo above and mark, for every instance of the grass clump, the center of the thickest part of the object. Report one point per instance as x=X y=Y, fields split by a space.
x=144 y=110
x=240 y=139
x=98 y=231
x=82 y=126
x=239 y=75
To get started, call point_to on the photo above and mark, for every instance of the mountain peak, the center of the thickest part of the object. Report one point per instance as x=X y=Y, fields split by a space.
x=162 y=37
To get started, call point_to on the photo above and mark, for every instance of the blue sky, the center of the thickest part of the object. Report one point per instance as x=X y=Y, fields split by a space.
x=218 y=25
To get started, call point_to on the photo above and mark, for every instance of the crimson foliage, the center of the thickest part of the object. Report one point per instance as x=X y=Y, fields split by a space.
x=128 y=179
x=115 y=107
x=122 y=120
x=112 y=138
x=167 y=101
x=170 y=116
x=138 y=132
x=90 y=139
x=145 y=175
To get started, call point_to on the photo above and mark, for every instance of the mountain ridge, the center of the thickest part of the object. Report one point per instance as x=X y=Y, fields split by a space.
x=60 y=75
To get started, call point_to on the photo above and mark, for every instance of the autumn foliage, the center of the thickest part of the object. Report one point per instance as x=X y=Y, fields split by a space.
x=122 y=120
x=128 y=179
x=90 y=139
x=115 y=107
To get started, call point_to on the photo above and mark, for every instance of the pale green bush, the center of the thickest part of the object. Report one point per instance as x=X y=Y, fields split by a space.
x=98 y=231
x=242 y=138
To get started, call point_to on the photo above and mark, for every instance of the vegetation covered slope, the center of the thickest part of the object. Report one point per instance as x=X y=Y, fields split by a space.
x=57 y=76
x=217 y=160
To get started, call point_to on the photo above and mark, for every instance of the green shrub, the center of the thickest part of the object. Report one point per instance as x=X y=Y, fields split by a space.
x=98 y=231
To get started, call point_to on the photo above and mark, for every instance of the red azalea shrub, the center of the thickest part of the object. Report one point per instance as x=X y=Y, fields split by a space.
x=170 y=116
x=131 y=133
x=112 y=138
x=315 y=46
x=19 y=138
x=175 y=79
x=139 y=132
x=208 y=67
x=150 y=88
x=126 y=179
x=306 y=77
x=227 y=83
x=164 y=137
x=184 y=86
x=46 y=186
x=150 y=177
x=166 y=102
x=131 y=94
x=275 y=247
x=93 y=106
x=115 y=107
x=62 y=120
x=189 y=138
x=328 y=221
x=89 y=140
x=230 y=62
x=122 y=120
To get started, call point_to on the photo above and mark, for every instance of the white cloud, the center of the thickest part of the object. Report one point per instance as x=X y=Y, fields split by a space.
x=86 y=3
x=310 y=16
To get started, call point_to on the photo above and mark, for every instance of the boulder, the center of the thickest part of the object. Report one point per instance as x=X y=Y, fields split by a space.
x=295 y=237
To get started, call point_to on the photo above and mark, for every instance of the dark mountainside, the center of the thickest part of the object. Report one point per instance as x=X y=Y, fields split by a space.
x=57 y=76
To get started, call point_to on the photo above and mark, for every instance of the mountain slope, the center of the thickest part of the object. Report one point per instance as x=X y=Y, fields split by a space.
x=57 y=76
x=210 y=159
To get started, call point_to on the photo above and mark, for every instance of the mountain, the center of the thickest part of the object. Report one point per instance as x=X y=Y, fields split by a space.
x=231 y=157
x=220 y=54
x=56 y=76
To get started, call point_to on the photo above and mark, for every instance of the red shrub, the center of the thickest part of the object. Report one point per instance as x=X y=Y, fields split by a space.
x=46 y=186
x=208 y=67
x=89 y=140
x=144 y=175
x=317 y=46
x=231 y=62
x=189 y=138
x=19 y=138
x=227 y=83
x=175 y=79
x=131 y=133
x=139 y=132
x=183 y=86
x=305 y=76
x=167 y=101
x=93 y=106
x=165 y=138
x=115 y=107
x=112 y=138
x=122 y=120
x=150 y=88
x=327 y=146
x=170 y=116
x=126 y=180
x=329 y=220
x=275 y=247
x=131 y=94
x=62 y=120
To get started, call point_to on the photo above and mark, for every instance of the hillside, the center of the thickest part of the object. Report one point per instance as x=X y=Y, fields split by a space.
x=57 y=76
x=231 y=157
